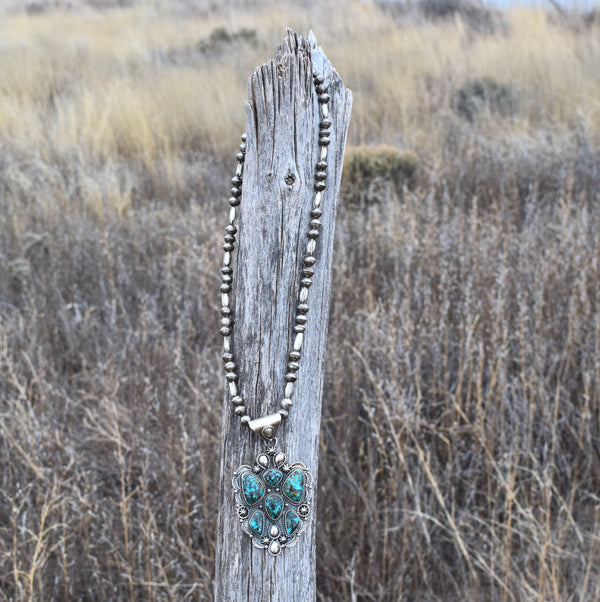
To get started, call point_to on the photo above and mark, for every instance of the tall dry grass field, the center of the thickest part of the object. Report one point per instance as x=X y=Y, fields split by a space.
x=461 y=427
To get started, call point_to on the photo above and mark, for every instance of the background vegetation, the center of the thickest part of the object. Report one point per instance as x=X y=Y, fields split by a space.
x=461 y=413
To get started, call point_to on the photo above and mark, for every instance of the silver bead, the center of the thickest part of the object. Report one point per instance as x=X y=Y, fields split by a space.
x=233 y=390
x=319 y=79
x=291 y=377
x=302 y=308
x=225 y=331
x=229 y=238
x=225 y=288
x=316 y=213
x=245 y=420
x=243 y=137
x=228 y=247
x=313 y=234
x=227 y=357
x=236 y=180
x=240 y=157
x=322 y=88
x=293 y=366
x=310 y=247
x=238 y=400
x=324 y=110
x=309 y=260
x=225 y=299
x=236 y=192
x=298 y=339
x=234 y=201
x=318 y=196
x=299 y=328
x=226 y=321
x=320 y=175
x=227 y=258
x=294 y=357
x=240 y=410
x=284 y=414
x=226 y=278
x=306 y=282
x=324 y=125
x=324 y=98
x=226 y=310
x=286 y=403
x=289 y=389
x=319 y=186
x=322 y=165
x=232 y=215
x=324 y=141
x=301 y=319
x=230 y=366
x=226 y=269
x=303 y=294
x=231 y=376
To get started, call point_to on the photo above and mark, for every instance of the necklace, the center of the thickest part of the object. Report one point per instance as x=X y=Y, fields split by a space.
x=273 y=496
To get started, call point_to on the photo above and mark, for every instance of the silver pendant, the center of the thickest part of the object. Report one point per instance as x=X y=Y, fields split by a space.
x=273 y=500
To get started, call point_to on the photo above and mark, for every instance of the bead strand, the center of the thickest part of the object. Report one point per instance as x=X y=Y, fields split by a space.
x=308 y=264
x=313 y=233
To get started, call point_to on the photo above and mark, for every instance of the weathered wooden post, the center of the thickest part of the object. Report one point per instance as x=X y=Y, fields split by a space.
x=284 y=121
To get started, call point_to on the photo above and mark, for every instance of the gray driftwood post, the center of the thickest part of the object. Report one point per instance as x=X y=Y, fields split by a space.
x=282 y=125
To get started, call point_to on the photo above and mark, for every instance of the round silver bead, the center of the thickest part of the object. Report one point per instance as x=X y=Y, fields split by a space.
x=226 y=310
x=322 y=165
x=325 y=124
x=243 y=137
x=240 y=410
x=234 y=201
x=245 y=420
x=238 y=400
x=308 y=272
x=236 y=180
x=293 y=366
x=309 y=260
x=231 y=376
x=306 y=282
x=230 y=366
x=291 y=377
x=294 y=356
x=313 y=234
x=225 y=331
x=236 y=192
x=319 y=79
x=320 y=175
x=225 y=288
x=286 y=403
x=228 y=247
x=240 y=157
x=302 y=308
x=226 y=321
x=324 y=98
x=301 y=319
x=324 y=141
x=284 y=414
x=299 y=328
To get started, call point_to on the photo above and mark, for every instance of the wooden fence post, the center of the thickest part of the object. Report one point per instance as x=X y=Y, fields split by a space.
x=282 y=121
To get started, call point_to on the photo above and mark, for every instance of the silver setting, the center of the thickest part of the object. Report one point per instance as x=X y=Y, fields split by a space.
x=268 y=532
x=266 y=426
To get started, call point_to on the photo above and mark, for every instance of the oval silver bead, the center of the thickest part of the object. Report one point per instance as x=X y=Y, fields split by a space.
x=240 y=410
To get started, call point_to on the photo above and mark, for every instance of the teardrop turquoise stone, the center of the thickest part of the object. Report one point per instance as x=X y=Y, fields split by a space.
x=291 y=522
x=273 y=477
x=293 y=488
x=257 y=522
x=273 y=506
x=252 y=489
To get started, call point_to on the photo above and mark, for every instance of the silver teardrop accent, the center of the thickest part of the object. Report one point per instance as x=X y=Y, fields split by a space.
x=263 y=460
x=274 y=548
x=279 y=459
x=274 y=531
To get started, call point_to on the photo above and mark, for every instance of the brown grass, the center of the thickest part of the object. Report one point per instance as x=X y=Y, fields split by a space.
x=460 y=442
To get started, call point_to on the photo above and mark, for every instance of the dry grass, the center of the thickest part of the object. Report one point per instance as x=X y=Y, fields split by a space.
x=461 y=417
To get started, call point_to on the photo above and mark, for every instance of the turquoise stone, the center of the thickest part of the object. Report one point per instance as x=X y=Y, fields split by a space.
x=273 y=477
x=252 y=489
x=273 y=506
x=257 y=522
x=291 y=522
x=293 y=488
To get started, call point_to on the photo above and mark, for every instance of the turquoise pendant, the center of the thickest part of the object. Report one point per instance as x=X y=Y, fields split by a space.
x=273 y=500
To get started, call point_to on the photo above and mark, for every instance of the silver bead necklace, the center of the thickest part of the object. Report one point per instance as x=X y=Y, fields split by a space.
x=273 y=496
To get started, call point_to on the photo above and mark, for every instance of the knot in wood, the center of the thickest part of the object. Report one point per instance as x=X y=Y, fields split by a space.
x=289 y=178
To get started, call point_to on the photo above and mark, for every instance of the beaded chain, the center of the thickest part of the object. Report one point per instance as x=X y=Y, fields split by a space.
x=307 y=270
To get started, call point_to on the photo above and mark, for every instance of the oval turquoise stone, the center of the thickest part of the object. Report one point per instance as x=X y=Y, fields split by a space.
x=273 y=477
x=293 y=488
x=252 y=489
x=273 y=506
x=257 y=522
x=292 y=520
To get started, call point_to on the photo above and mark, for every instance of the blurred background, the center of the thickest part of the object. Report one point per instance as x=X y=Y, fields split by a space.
x=460 y=436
